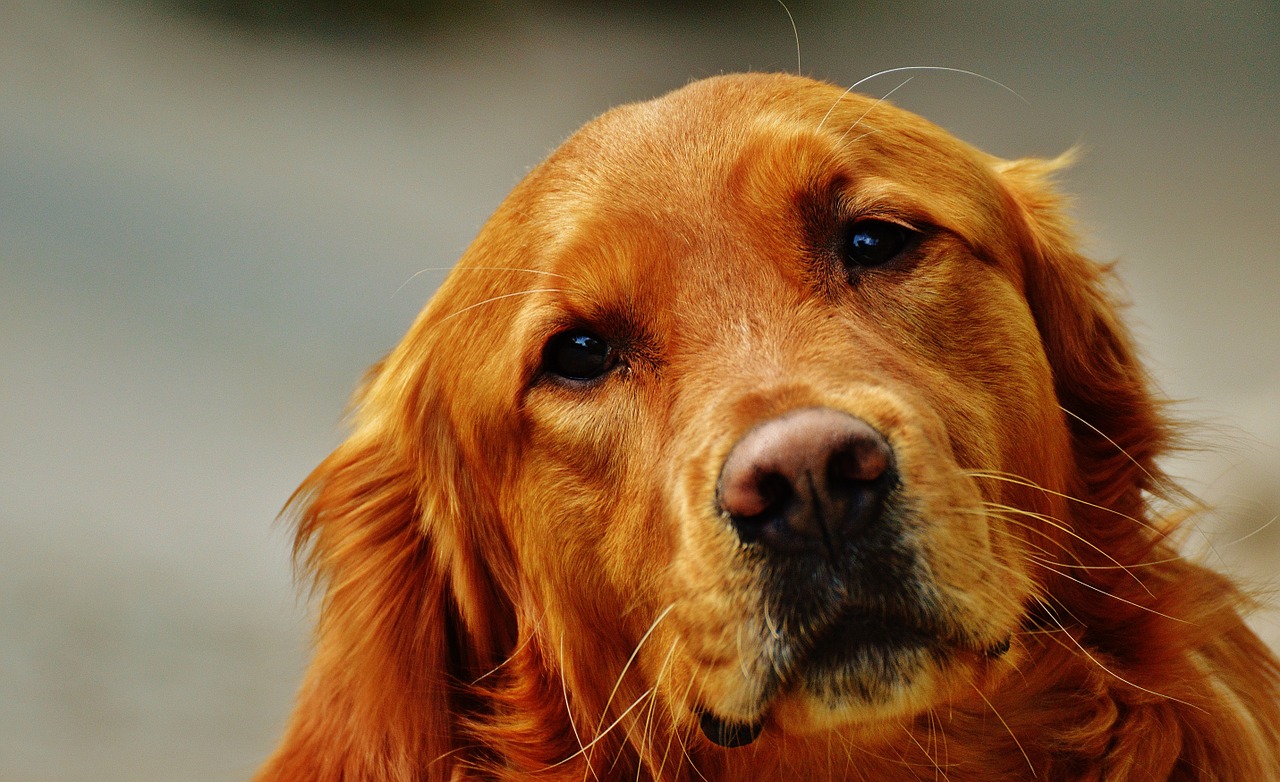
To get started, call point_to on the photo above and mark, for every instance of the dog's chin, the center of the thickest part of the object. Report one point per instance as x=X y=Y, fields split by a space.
x=864 y=679
x=865 y=675
x=876 y=688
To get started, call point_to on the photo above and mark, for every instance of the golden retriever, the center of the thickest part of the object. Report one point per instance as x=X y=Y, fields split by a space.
x=767 y=431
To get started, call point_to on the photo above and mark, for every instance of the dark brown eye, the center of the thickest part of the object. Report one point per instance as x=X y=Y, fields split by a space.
x=578 y=355
x=874 y=242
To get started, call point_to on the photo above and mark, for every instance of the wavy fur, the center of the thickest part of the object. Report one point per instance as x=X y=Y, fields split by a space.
x=525 y=579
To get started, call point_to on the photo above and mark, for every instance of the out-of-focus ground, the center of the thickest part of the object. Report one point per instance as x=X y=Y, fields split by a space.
x=206 y=234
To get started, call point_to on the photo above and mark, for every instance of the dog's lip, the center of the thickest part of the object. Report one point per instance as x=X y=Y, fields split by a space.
x=730 y=734
x=878 y=635
x=860 y=628
x=825 y=655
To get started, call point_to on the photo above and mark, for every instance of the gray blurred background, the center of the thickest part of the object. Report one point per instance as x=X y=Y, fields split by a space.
x=214 y=215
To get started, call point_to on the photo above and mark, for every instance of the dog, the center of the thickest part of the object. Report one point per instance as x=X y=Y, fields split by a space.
x=767 y=431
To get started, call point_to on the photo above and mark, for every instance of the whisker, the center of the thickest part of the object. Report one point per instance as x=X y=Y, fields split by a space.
x=684 y=748
x=428 y=270
x=996 y=712
x=900 y=760
x=499 y=298
x=942 y=733
x=861 y=136
x=870 y=109
x=1154 y=481
x=1240 y=540
x=653 y=703
x=938 y=738
x=505 y=660
x=634 y=653
x=518 y=269
x=904 y=68
x=796 y=33
x=937 y=769
x=1095 y=661
x=415 y=276
x=1011 y=517
x=1077 y=566
x=601 y=736
x=1116 y=597
x=1018 y=480
x=1063 y=527
x=564 y=687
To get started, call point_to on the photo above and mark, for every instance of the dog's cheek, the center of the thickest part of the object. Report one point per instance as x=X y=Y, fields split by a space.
x=581 y=504
x=978 y=361
x=992 y=398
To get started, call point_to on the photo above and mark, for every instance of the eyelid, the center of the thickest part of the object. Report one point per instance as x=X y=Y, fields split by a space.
x=901 y=223
x=911 y=224
x=882 y=201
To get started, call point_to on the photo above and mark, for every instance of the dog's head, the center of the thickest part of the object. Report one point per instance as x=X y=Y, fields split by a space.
x=752 y=412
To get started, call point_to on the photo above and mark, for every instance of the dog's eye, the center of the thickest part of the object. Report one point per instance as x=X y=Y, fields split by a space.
x=874 y=242
x=578 y=355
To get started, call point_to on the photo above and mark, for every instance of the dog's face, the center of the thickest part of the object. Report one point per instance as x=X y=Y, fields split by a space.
x=735 y=384
x=765 y=414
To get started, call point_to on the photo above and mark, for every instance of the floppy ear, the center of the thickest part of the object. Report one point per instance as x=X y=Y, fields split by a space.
x=378 y=528
x=1117 y=430
x=1190 y=639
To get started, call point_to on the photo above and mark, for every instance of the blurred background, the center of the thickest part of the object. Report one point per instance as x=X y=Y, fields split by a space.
x=214 y=215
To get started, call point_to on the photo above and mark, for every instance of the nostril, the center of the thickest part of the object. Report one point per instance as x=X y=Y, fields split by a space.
x=774 y=492
x=749 y=492
x=862 y=459
x=755 y=503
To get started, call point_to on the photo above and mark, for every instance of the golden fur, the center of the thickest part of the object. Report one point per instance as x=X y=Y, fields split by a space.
x=526 y=575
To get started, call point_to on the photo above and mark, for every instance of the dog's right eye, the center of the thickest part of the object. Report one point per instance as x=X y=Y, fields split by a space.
x=869 y=243
x=578 y=355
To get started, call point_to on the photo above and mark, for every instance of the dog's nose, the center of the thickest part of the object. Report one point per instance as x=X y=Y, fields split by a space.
x=812 y=479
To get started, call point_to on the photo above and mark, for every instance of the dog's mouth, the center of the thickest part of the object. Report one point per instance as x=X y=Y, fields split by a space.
x=861 y=658
x=860 y=632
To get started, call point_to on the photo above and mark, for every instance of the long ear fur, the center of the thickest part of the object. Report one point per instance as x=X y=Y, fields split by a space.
x=1117 y=427
x=1197 y=693
x=376 y=529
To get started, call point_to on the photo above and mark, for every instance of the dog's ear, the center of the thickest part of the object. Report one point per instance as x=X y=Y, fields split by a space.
x=407 y=615
x=1176 y=625
x=1117 y=427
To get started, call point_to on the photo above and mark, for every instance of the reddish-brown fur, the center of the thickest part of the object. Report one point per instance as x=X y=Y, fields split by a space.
x=527 y=580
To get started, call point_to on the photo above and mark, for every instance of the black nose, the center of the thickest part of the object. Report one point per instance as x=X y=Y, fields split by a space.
x=810 y=480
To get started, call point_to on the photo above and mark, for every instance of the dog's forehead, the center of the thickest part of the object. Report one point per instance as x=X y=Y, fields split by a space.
x=723 y=161
x=706 y=125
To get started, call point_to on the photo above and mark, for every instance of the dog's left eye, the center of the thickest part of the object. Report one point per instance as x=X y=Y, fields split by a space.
x=874 y=242
x=578 y=355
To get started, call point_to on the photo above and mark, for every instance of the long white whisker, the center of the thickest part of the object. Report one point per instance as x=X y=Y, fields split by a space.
x=1053 y=615
x=646 y=752
x=634 y=653
x=1010 y=512
x=421 y=272
x=1116 y=597
x=1114 y=444
x=1006 y=727
x=600 y=737
x=505 y=660
x=873 y=106
x=937 y=769
x=866 y=79
x=498 y=298
x=1268 y=523
x=1018 y=480
x=794 y=32
x=1046 y=560
x=564 y=687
